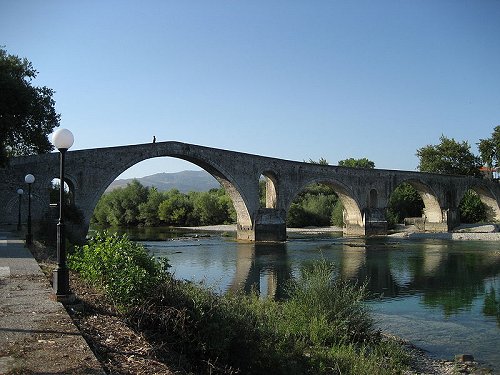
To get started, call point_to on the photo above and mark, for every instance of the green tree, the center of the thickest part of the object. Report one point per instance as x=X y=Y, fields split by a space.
x=210 y=209
x=405 y=201
x=148 y=211
x=176 y=209
x=357 y=163
x=27 y=112
x=489 y=149
x=120 y=207
x=472 y=210
x=321 y=161
x=102 y=211
x=448 y=157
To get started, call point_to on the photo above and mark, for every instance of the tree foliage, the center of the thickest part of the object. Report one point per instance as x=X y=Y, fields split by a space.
x=489 y=149
x=448 y=157
x=472 y=210
x=357 y=163
x=321 y=161
x=405 y=201
x=27 y=112
x=137 y=205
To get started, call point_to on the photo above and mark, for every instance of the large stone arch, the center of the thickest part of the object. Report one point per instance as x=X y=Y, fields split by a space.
x=224 y=178
x=353 y=218
x=432 y=207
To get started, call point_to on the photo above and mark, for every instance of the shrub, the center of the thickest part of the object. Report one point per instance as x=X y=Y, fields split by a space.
x=324 y=310
x=122 y=268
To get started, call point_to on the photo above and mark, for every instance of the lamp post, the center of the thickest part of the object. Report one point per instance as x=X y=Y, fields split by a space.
x=63 y=140
x=29 y=179
x=20 y=192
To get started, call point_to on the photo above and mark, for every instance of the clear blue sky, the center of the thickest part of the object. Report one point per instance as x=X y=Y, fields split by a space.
x=288 y=79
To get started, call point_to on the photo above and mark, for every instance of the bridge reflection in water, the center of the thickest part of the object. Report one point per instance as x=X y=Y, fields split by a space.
x=448 y=275
x=261 y=268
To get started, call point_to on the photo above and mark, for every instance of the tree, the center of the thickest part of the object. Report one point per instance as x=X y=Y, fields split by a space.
x=210 y=209
x=449 y=157
x=357 y=163
x=27 y=113
x=321 y=161
x=404 y=202
x=489 y=149
x=148 y=211
x=472 y=210
x=176 y=209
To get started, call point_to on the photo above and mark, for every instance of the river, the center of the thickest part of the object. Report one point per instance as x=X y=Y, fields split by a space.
x=443 y=296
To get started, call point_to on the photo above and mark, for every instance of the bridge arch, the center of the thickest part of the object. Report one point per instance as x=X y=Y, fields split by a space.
x=352 y=211
x=489 y=200
x=69 y=188
x=227 y=181
x=432 y=207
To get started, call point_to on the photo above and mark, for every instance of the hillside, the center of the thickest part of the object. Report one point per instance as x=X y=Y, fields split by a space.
x=184 y=181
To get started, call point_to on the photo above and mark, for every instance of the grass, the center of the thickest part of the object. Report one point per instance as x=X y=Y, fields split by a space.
x=323 y=327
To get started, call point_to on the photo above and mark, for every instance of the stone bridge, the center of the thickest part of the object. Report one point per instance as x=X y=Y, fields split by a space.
x=363 y=192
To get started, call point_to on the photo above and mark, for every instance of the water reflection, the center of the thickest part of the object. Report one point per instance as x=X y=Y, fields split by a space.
x=447 y=276
x=261 y=268
x=492 y=305
x=442 y=295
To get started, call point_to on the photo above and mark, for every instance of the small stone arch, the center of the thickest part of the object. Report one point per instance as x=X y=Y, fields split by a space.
x=352 y=211
x=432 y=208
x=489 y=200
x=69 y=182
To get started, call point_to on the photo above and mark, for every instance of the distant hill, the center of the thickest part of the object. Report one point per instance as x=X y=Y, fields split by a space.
x=185 y=181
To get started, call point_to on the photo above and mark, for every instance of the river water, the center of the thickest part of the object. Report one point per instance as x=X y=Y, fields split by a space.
x=441 y=295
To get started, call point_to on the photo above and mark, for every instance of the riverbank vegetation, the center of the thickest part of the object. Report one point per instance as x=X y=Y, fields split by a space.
x=323 y=327
x=138 y=205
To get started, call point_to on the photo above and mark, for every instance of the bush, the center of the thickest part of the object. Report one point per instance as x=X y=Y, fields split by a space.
x=326 y=310
x=122 y=268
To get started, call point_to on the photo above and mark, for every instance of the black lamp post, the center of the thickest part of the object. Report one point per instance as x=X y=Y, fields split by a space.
x=29 y=179
x=63 y=140
x=20 y=192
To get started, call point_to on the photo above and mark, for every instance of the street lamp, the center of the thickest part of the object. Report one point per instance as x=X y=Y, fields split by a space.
x=20 y=192
x=63 y=140
x=29 y=179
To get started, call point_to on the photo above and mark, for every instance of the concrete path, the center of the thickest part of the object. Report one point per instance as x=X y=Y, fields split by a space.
x=37 y=336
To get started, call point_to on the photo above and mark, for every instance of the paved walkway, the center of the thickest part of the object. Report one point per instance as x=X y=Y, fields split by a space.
x=37 y=335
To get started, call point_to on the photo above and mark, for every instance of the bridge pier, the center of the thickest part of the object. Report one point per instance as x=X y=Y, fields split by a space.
x=374 y=223
x=269 y=224
x=450 y=218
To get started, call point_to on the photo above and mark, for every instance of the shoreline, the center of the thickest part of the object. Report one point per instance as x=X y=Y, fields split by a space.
x=479 y=232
